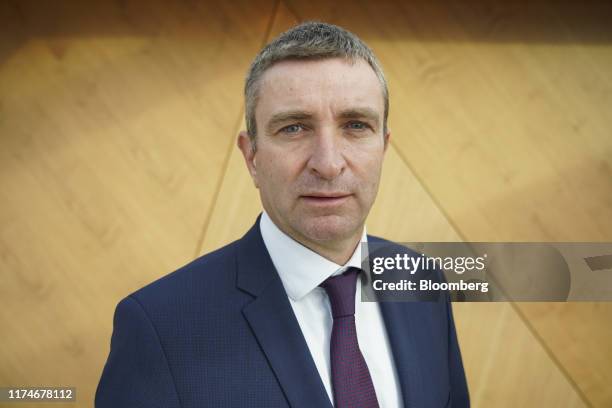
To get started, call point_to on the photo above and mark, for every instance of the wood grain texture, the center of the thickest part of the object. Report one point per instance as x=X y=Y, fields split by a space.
x=115 y=118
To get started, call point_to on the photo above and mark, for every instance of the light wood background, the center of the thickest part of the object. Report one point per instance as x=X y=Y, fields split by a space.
x=118 y=165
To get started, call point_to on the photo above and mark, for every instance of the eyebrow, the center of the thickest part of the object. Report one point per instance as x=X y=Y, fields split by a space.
x=291 y=115
x=361 y=113
x=286 y=116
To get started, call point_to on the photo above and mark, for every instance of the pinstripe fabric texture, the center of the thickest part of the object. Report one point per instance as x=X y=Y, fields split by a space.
x=351 y=380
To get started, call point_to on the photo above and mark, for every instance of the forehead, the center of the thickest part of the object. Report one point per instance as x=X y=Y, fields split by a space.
x=332 y=84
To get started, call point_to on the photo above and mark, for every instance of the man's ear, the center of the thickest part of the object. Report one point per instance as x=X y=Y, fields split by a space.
x=386 y=137
x=247 y=147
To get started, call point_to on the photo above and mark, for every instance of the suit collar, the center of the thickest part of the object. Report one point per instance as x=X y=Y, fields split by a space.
x=275 y=326
x=255 y=270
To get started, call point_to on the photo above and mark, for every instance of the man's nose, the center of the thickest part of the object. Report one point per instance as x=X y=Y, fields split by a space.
x=327 y=158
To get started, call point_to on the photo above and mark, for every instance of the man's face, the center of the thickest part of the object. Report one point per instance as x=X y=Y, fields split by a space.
x=319 y=147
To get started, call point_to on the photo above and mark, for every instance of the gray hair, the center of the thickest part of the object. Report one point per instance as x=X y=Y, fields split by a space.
x=309 y=40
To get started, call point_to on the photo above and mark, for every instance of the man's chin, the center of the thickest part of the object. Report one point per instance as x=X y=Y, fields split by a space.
x=328 y=228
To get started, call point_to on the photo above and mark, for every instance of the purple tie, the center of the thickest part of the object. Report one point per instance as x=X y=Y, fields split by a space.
x=351 y=379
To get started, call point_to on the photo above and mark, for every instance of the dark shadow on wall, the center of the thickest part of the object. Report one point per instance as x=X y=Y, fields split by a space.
x=544 y=21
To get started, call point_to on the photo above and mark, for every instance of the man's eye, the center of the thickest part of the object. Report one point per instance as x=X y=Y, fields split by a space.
x=357 y=125
x=292 y=128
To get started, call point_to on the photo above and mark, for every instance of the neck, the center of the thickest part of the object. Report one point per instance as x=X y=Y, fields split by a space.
x=337 y=252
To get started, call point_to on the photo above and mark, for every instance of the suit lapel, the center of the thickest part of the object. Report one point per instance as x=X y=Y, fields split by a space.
x=402 y=333
x=275 y=326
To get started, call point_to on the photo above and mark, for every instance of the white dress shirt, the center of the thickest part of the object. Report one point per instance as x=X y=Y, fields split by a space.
x=302 y=270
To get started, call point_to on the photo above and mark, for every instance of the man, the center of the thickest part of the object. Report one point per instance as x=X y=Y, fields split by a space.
x=275 y=318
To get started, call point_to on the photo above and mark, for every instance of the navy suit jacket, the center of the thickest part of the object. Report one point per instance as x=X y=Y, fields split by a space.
x=220 y=332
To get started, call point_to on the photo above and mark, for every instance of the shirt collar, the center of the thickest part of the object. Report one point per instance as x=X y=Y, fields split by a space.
x=301 y=269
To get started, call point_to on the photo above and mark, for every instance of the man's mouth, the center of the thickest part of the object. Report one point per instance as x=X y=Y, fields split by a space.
x=325 y=199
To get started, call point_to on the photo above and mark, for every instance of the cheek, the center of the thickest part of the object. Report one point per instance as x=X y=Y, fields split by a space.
x=369 y=164
x=369 y=172
x=274 y=174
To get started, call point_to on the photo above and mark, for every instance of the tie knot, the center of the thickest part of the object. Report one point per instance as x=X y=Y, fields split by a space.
x=341 y=292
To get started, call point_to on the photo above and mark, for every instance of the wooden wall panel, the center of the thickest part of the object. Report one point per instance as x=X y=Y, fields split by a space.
x=115 y=120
